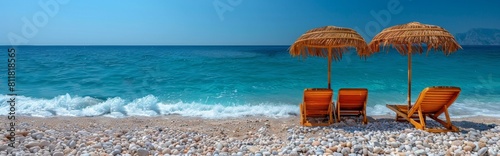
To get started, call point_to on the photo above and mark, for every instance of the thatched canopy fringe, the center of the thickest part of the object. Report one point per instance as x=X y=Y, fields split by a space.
x=317 y=42
x=417 y=34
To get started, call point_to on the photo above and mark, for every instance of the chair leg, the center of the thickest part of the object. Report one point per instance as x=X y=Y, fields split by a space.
x=418 y=125
x=365 y=120
x=302 y=115
x=421 y=118
x=331 y=119
x=337 y=113
x=448 y=120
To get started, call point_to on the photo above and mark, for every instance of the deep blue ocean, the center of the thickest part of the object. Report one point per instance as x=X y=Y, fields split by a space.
x=232 y=81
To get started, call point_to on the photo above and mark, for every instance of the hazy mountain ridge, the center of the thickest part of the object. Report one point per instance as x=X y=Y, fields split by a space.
x=479 y=36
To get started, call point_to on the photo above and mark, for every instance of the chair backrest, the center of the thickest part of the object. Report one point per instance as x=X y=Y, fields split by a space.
x=317 y=99
x=433 y=99
x=352 y=98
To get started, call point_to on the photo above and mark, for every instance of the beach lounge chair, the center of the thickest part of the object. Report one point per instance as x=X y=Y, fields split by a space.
x=317 y=104
x=432 y=102
x=352 y=102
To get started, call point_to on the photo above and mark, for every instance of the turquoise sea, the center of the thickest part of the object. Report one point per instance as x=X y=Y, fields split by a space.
x=232 y=81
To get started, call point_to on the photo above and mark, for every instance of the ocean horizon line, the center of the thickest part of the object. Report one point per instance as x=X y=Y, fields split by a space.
x=200 y=45
x=141 y=45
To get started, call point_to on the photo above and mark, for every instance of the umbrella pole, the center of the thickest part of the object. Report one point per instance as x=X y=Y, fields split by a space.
x=329 y=67
x=409 y=79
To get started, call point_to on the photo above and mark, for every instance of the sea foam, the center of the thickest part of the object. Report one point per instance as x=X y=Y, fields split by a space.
x=150 y=105
x=67 y=105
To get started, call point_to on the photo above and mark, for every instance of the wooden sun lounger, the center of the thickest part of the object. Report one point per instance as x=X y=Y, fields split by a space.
x=352 y=101
x=317 y=103
x=432 y=102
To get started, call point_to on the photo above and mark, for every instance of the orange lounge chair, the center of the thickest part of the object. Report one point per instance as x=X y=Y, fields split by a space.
x=432 y=102
x=317 y=103
x=352 y=101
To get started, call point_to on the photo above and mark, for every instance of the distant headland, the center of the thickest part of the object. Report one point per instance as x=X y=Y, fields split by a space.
x=479 y=36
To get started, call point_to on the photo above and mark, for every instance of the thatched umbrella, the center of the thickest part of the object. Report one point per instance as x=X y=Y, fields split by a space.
x=330 y=42
x=410 y=38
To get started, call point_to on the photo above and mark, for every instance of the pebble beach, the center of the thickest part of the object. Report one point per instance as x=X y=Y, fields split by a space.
x=259 y=136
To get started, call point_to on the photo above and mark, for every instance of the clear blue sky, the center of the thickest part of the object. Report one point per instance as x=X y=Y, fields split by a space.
x=222 y=22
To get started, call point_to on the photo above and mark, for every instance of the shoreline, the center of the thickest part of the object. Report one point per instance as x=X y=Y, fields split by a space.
x=252 y=135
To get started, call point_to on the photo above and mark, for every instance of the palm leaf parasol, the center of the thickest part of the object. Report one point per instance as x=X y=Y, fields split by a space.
x=330 y=42
x=410 y=38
